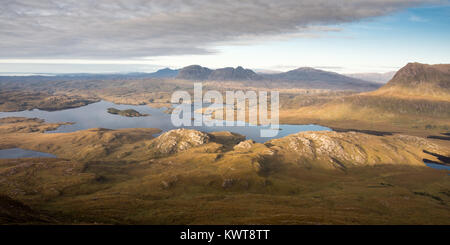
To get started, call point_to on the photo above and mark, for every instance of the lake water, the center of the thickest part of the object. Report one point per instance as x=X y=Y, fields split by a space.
x=96 y=116
x=438 y=166
x=21 y=153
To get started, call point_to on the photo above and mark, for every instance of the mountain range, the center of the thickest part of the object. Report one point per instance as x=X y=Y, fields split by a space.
x=416 y=98
x=302 y=77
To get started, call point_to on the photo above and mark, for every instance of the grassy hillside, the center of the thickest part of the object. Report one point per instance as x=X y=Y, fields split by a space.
x=190 y=177
x=419 y=81
x=416 y=100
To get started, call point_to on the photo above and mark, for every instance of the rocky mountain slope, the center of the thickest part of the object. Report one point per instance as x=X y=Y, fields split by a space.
x=325 y=149
x=418 y=97
x=420 y=81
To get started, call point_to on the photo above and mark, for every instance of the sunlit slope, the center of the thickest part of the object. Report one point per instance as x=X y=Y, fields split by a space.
x=419 y=81
x=190 y=177
x=417 y=97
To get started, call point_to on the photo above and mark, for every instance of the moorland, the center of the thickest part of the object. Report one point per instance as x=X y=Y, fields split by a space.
x=369 y=170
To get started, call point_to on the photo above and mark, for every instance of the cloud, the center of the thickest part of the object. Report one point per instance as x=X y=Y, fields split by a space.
x=106 y=29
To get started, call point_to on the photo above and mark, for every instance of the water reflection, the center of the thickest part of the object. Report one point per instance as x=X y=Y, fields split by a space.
x=96 y=116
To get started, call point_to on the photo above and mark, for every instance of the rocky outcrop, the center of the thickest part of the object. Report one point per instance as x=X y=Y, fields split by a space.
x=342 y=150
x=178 y=140
x=244 y=145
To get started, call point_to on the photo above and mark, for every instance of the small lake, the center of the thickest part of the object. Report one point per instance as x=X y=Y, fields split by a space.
x=438 y=166
x=21 y=153
x=96 y=116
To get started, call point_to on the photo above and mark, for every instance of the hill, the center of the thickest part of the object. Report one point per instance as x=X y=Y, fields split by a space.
x=304 y=77
x=314 y=78
x=164 y=73
x=416 y=99
x=419 y=80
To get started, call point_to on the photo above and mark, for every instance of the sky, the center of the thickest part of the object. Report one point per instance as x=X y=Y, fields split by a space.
x=108 y=36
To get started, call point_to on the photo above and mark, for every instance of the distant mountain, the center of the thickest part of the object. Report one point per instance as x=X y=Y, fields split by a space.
x=302 y=77
x=196 y=72
x=374 y=77
x=238 y=74
x=419 y=80
x=315 y=78
x=164 y=73
x=417 y=97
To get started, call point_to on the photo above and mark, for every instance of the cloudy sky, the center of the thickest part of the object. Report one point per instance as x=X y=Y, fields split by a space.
x=144 y=35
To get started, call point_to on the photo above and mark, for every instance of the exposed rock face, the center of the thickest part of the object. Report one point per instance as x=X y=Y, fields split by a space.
x=179 y=140
x=422 y=78
x=244 y=145
x=227 y=183
x=342 y=150
x=318 y=149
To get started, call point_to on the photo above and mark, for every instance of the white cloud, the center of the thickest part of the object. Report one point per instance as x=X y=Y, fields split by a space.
x=111 y=29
